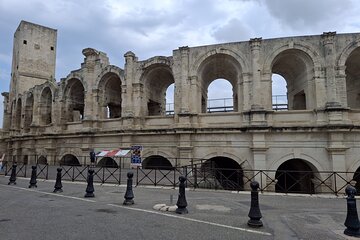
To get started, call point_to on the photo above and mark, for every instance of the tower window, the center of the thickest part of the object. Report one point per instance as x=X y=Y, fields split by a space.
x=52 y=48
x=25 y=42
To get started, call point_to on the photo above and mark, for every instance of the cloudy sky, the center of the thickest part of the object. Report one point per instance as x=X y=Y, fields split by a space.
x=156 y=27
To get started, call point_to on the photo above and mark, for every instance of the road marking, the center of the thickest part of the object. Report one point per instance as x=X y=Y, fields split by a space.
x=48 y=193
x=191 y=219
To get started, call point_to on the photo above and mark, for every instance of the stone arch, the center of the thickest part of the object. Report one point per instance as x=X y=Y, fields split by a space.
x=74 y=100
x=219 y=64
x=110 y=94
x=317 y=166
x=28 y=111
x=297 y=67
x=295 y=176
x=167 y=154
x=349 y=62
x=45 y=106
x=156 y=162
x=157 y=77
x=108 y=162
x=69 y=160
x=226 y=172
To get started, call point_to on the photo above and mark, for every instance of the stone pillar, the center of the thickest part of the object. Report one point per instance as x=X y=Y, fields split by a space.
x=259 y=154
x=7 y=112
x=337 y=156
x=330 y=62
x=185 y=102
x=127 y=94
x=255 y=94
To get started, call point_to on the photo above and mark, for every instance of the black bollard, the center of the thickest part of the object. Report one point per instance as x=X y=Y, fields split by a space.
x=129 y=195
x=33 y=177
x=90 y=184
x=58 y=185
x=12 y=179
x=352 y=220
x=181 y=202
x=254 y=213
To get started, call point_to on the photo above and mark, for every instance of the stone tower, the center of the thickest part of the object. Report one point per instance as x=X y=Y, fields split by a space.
x=34 y=55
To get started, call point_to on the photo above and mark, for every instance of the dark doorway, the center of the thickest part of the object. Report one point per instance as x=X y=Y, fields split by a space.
x=227 y=172
x=294 y=176
x=157 y=162
x=42 y=160
x=69 y=160
x=107 y=162
x=357 y=179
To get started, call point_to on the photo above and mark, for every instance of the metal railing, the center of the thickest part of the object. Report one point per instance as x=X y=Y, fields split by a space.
x=204 y=176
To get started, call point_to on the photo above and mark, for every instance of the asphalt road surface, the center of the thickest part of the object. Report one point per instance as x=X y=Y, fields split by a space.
x=37 y=213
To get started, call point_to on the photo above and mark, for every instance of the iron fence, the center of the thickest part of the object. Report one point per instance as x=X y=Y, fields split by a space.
x=307 y=182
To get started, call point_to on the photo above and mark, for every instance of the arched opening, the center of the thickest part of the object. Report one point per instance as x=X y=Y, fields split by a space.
x=297 y=68
x=111 y=85
x=28 y=112
x=157 y=79
x=69 y=160
x=42 y=160
x=156 y=162
x=356 y=178
x=226 y=171
x=294 y=176
x=45 y=107
x=170 y=96
x=279 y=93
x=26 y=159
x=107 y=162
x=18 y=114
x=223 y=68
x=352 y=72
x=220 y=98
x=75 y=103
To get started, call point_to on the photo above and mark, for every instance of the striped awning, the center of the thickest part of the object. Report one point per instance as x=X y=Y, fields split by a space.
x=113 y=153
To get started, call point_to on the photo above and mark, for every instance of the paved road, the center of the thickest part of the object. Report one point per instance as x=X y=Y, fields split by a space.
x=40 y=214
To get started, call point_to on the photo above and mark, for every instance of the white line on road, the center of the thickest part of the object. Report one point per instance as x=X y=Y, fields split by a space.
x=48 y=193
x=192 y=220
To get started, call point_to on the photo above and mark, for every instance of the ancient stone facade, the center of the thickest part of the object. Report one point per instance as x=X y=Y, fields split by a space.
x=104 y=106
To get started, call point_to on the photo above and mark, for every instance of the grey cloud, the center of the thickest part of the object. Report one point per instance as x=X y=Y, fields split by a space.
x=234 y=30
x=308 y=13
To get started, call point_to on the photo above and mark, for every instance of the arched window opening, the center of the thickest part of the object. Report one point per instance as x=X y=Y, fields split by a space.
x=294 y=176
x=279 y=93
x=107 y=162
x=18 y=114
x=112 y=95
x=352 y=72
x=45 y=107
x=223 y=73
x=297 y=69
x=157 y=79
x=356 y=178
x=220 y=97
x=170 y=96
x=75 y=101
x=69 y=160
x=28 y=112
x=156 y=162
x=225 y=173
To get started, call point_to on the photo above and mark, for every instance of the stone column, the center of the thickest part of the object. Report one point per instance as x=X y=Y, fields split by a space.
x=185 y=102
x=330 y=62
x=255 y=94
x=259 y=154
x=127 y=94
x=337 y=156
x=7 y=112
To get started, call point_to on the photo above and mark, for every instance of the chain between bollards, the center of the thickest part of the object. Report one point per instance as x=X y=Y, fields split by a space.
x=352 y=220
x=181 y=203
x=129 y=195
x=33 y=177
x=12 y=179
x=90 y=184
x=254 y=213
x=58 y=184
